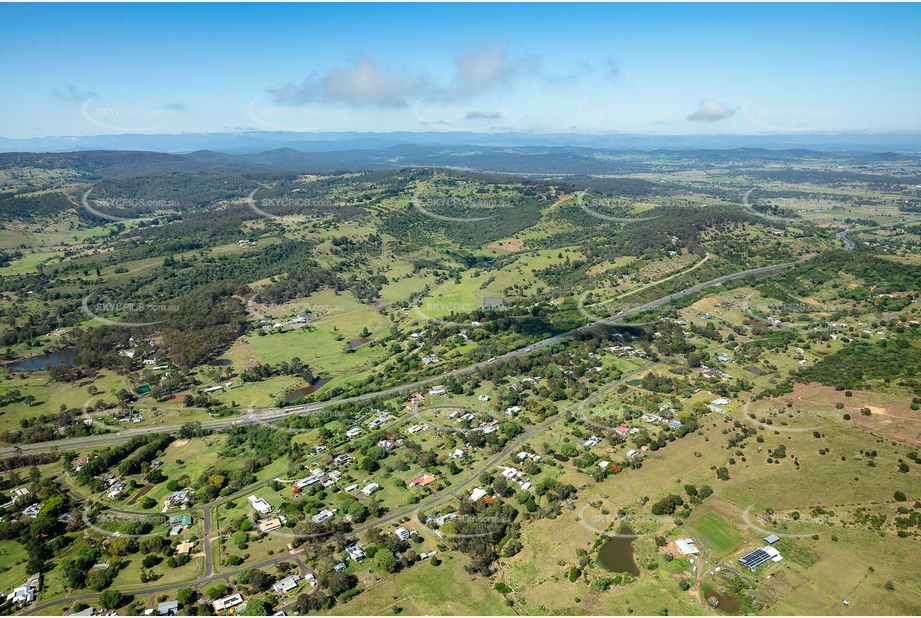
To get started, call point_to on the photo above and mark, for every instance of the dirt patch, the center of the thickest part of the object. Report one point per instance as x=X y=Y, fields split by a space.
x=180 y=443
x=890 y=414
x=507 y=244
x=184 y=480
x=143 y=492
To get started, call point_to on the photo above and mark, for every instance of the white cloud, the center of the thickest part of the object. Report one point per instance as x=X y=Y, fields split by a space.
x=364 y=84
x=711 y=110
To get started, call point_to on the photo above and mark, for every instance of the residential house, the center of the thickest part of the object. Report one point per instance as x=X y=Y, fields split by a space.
x=227 y=602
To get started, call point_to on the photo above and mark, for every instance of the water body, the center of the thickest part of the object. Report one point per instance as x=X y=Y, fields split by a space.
x=617 y=553
x=37 y=363
x=221 y=362
x=559 y=457
x=729 y=605
x=357 y=343
x=306 y=390
x=492 y=301
x=636 y=382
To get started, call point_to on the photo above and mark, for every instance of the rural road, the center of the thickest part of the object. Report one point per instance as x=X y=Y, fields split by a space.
x=274 y=414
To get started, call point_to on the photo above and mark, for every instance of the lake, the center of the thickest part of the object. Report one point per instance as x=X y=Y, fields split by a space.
x=357 y=343
x=306 y=390
x=37 y=363
x=559 y=457
x=617 y=553
x=221 y=362
x=727 y=604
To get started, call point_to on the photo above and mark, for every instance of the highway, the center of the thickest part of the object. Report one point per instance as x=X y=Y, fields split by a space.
x=273 y=414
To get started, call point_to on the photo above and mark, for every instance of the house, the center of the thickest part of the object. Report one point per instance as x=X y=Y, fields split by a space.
x=675 y=424
x=339 y=566
x=341 y=460
x=416 y=428
x=323 y=515
x=78 y=465
x=604 y=464
x=23 y=595
x=167 y=608
x=176 y=498
x=351 y=488
x=355 y=552
x=403 y=534
x=353 y=433
x=721 y=401
x=422 y=479
x=716 y=409
x=686 y=547
x=593 y=441
x=622 y=430
x=723 y=358
x=117 y=488
x=287 y=584
x=511 y=473
x=457 y=454
x=438 y=391
x=175 y=530
x=631 y=453
x=227 y=602
x=771 y=539
x=185 y=548
x=270 y=525
x=183 y=521
x=369 y=489
x=88 y=611
x=261 y=506
x=512 y=411
x=477 y=493
x=483 y=397
x=32 y=510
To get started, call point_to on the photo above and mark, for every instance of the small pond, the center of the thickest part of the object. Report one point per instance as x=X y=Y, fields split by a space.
x=306 y=390
x=617 y=553
x=37 y=363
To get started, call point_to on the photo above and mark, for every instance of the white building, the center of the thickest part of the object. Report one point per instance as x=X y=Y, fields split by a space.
x=261 y=506
x=227 y=602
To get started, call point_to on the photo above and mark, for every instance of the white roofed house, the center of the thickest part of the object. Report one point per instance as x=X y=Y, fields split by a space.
x=227 y=602
x=369 y=489
x=287 y=584
x=261 y=506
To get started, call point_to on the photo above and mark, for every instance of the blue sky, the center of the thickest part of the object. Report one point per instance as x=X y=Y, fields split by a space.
x=85 y=69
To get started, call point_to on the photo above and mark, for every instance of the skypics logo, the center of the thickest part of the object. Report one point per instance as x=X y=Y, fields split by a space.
x=777 y=414
x=308 y=314
x=460 y=415
x=453 y=118
x=612 y=525
x=786 y=120
x=123 y=119
x=453 y=525
x=463 y=204
x=770 y=311
x=136 y=525
x=481 y=311
x=288 y=118
x=126 y=204
x=122 y=307
x=785 y=520
x=94 y=421
x=589 y=206
x=288 y=203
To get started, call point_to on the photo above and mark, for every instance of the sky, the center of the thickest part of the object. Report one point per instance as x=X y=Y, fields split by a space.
x=679 y=69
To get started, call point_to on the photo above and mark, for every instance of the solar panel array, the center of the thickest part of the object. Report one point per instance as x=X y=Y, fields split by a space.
x=755 y=559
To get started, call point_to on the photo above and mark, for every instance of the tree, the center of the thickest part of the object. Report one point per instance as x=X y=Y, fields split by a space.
x=340 y=581
x=186 y=596
x=111 y=599
x=256 y=607
x=386 y=560
x=900 y=496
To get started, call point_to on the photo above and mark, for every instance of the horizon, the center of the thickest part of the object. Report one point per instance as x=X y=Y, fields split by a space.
x=689 y=71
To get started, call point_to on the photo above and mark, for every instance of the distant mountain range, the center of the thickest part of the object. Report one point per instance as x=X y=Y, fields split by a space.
x=253 y=142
